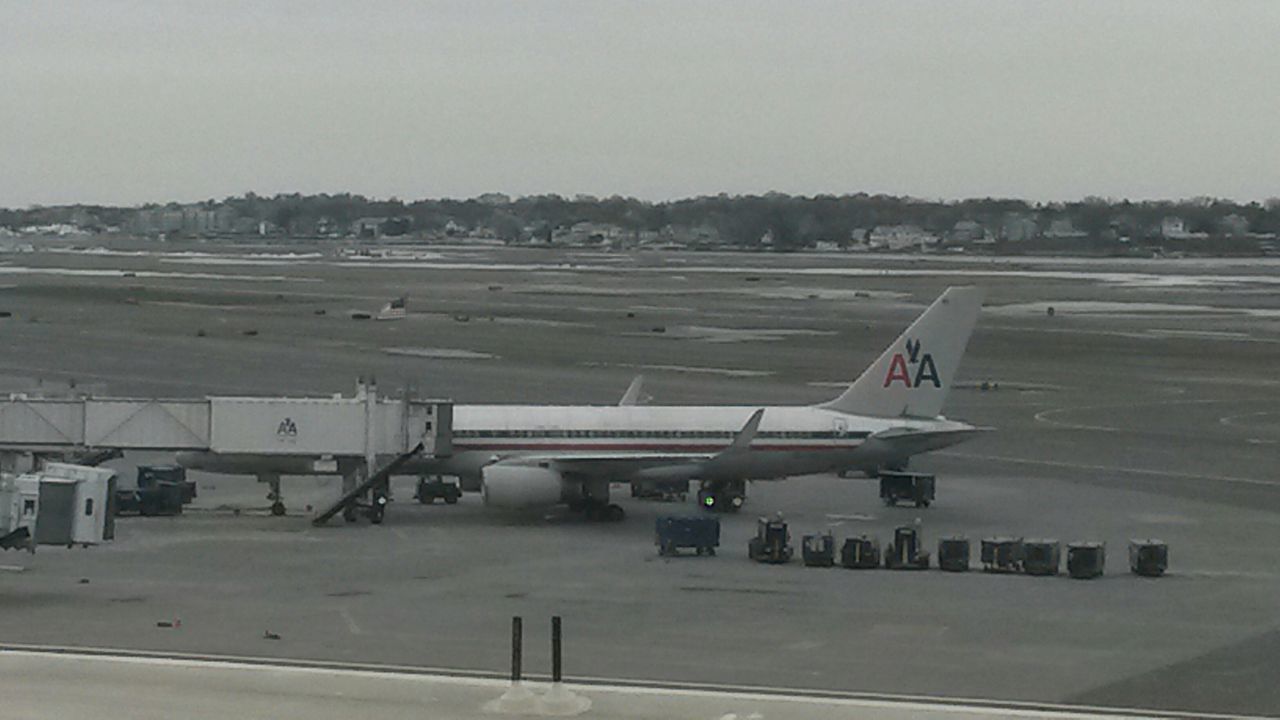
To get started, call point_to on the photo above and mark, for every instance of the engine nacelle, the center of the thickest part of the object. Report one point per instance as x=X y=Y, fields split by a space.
x=512 y=486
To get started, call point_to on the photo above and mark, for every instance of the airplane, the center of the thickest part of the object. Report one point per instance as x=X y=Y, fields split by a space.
x=535 y=456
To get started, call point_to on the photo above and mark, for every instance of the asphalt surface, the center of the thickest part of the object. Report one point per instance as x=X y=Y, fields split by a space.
x=1113 y=422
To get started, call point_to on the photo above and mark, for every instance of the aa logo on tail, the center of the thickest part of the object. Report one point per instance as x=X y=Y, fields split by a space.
x=899 y=369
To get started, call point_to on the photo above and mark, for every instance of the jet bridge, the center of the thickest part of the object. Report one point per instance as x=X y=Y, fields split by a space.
x=334 y=430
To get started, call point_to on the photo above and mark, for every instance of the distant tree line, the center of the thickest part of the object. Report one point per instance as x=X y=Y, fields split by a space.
x=789 y=221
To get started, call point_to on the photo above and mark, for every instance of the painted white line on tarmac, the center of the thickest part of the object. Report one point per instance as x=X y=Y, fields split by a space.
x=1230 y=420
x=1111 y=468
x=350 y=621
x=1044 y=415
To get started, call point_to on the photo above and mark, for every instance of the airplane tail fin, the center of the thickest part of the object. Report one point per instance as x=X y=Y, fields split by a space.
x=912 y=377
x=635 y=393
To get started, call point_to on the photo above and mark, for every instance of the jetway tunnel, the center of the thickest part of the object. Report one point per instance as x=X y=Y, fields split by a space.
x=263 y=436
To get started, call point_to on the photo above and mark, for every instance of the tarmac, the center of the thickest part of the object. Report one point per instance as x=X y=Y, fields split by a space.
x=1116 y=417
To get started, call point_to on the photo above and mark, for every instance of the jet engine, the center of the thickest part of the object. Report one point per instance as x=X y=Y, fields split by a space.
x=517 y=486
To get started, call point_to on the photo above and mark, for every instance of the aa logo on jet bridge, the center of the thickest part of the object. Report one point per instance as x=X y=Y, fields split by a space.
x=925 y=369
x=287 y=429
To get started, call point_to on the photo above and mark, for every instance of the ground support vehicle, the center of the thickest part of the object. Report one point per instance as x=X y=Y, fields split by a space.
x=915 y=488
x=772 y=543
x=672 y=533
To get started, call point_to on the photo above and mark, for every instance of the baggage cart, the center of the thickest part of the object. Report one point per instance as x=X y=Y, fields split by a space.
x=860 y=553
x=772 y=543
x=1041 y=557
x=1086 y=560
x=905 y=552
x=1149 y=558
x=673 y=533
x=1002 y=554
x=818 y=550
x=953 y=554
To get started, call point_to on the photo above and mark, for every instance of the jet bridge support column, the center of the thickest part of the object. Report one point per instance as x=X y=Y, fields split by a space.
x=353 y=474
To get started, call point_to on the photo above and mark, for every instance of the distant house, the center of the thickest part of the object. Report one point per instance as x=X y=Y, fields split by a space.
x=1063 y=229
x=1173 y=227
x=649 y=237
x=588 y=233
x=1017 y=227
x=1234 y=225
x=368 y=227
x=901 y=237
x=965 y=232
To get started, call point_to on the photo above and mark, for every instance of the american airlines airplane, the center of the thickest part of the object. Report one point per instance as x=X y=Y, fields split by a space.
x=526 y=456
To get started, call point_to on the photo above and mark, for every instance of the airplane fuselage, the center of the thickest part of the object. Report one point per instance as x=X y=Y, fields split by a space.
x=627 y=442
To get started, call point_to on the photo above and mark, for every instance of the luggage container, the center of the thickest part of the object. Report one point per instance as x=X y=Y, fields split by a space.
x=905 y=553
x=150 y=476
x=772 y=543
x=860 y=553
x=162 y=498
x=1041 y=557
x=429 y=489
x=702 y=533
x=818 y=550
x=1002 y=554
x=1086 y=560
x=953 y=554
x=1149 y=558
x=915 y=488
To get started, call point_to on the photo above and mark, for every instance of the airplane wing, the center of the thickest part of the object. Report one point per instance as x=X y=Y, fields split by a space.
x=906 y=441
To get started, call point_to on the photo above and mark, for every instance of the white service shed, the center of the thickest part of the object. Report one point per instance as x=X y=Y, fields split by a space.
x=94 y=489
x=73 y=505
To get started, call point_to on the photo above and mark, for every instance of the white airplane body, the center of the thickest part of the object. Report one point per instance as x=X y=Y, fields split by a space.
x=540 y=455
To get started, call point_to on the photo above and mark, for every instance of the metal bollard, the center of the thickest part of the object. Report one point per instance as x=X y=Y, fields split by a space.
x=517 y=647
x=555 y=648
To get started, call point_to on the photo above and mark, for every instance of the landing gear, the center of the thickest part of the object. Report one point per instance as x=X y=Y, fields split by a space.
x=722 y=496
x=601 y=512
x=597 y=511
x=594 y=503
x=378 y=507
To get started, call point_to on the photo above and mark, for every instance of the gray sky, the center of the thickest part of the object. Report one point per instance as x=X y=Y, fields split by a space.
x=125 y=102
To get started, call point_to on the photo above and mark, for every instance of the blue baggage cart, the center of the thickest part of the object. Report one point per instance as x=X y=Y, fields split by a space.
x=700 y=532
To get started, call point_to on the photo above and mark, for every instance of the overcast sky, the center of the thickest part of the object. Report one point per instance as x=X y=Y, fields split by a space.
x=129 y=102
